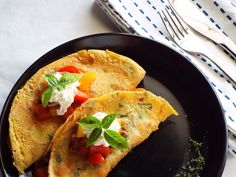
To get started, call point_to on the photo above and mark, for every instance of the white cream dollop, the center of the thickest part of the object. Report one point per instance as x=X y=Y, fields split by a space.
x=115 y=126
x=64 y=97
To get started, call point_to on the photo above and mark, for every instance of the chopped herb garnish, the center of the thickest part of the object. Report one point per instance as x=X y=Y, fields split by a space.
x=77 y=172
x=50 y=137
x=123 y=115
x=145 y=105
x=140 y=116
x=58 y=158
x=195 y=165
x=121 y=105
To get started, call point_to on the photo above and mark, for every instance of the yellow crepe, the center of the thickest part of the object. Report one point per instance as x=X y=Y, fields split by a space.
x=29 y=138
x=139 y=114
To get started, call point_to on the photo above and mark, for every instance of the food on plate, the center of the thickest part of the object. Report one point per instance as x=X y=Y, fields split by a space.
x=103 y=130
x=52 y=94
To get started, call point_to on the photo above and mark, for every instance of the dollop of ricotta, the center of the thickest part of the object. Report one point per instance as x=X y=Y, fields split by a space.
x=115 y=126
x=64 y=97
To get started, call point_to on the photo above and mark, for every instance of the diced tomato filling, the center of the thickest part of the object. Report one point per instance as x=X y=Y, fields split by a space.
x=95 y=158
x=80 y=97
x=69 y=69
x=69 y=111
x=41 y=112
x=92 y=154
x=78 y=146
x=104 y=151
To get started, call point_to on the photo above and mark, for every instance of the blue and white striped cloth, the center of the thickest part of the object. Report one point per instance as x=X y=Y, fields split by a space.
x=141 y=17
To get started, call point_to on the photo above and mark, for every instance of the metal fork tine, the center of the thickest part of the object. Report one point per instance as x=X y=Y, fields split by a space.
x=174 y=22
x=178 y=18
x=168 y=25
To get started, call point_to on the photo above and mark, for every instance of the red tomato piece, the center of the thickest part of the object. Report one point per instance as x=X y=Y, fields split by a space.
x=69 y=69
x=41 y=112
x=69 y=111
x=41 y=172
x=78 y=145
x=83 y=151
x=104 y=151
x=95 y=158
x=80 y=97
x=75 y=105
x=75 y=143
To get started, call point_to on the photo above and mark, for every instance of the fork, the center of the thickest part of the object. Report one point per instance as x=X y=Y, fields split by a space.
x=193 y=42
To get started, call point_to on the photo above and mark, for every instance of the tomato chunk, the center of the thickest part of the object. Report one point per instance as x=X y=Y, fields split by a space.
x=76 y=142
x=83 y=151
x=69 y=111
x=104 y=151
x=41 y=112
x=41 y=172
x=95 y=158
x=80 y=97
x=78 y=146
x=69 y=69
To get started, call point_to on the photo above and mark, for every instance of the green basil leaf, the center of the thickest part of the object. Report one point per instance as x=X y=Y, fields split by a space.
x=94 y=135
x=69 y=78
x=107 y=121
x=51 y=80
x=89 y=122
x=46 y=96
x=59 y=87
x=115 y=139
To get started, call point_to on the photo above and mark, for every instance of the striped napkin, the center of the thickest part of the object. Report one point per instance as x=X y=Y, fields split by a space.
x=141 y=17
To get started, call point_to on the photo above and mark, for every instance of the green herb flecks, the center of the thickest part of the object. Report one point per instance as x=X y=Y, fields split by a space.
x=98 y=127
x=58 y=158
x=54 y=83
x=145 y=106
x=50 y=137
x=77 y=172
x=195 y=165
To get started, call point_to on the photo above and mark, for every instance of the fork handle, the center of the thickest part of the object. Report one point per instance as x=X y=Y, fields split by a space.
x=227 y=65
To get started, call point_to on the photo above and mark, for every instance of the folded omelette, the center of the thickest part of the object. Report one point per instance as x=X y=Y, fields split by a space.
x=137 y=115
x=38 y=108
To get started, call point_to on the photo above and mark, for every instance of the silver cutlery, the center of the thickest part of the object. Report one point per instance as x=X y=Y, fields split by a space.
x=207 y=29
x=193 y=42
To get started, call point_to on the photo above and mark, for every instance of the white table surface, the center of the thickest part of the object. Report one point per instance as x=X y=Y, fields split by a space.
x=29 y=29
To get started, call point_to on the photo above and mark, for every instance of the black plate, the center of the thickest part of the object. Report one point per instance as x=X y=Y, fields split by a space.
x=169 y=75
